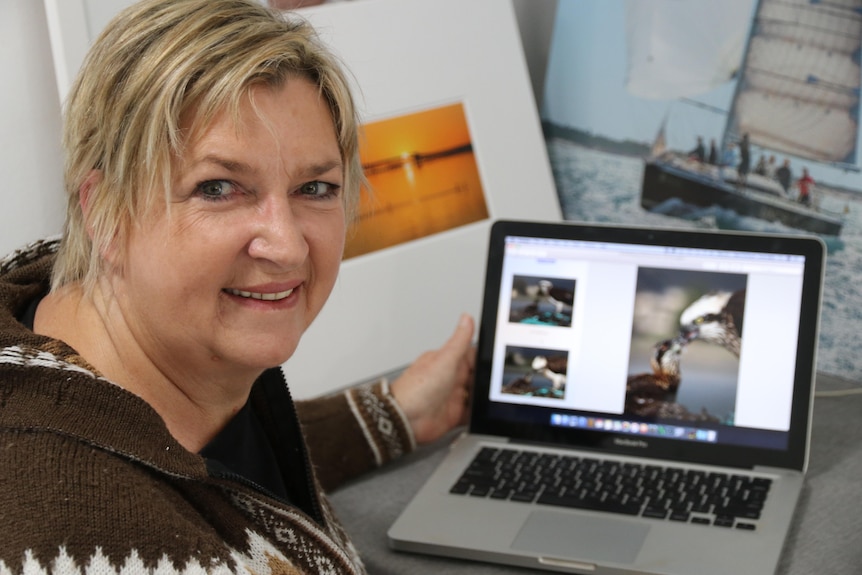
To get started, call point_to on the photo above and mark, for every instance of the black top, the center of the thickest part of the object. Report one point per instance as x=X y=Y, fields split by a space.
x=242 y=447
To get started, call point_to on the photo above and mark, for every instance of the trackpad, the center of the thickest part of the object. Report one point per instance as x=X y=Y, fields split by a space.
x=592 y=539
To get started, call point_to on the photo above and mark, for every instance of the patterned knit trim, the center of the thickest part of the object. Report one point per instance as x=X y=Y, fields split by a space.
x=396 y=407
x=314 y=549
x=65 y=564
x=382 y=422
x=261 y=558
x=32 y=357
x=29 y=253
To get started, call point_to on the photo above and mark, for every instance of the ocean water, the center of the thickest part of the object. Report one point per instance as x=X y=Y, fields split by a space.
x=597 y=186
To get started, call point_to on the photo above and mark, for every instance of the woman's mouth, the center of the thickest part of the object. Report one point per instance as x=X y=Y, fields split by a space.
x=275 y=296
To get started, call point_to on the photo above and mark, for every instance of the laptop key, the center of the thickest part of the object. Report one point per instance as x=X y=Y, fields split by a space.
x=750 y=511
x=460 y=488
x=480 y=490
x=655 y=513
x=523 y=496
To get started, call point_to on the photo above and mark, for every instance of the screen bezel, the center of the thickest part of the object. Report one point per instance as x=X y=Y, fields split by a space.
x=483 y=418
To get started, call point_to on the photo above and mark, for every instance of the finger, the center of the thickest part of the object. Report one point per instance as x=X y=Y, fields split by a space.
x=468 y=400
x=462 y=338
x=471 y=357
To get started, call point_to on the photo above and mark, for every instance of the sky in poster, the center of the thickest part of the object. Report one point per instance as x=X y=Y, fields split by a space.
x=585 y=87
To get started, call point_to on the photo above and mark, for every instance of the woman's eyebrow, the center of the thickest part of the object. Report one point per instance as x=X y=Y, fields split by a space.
x=235 y=166
x=312 y=170
x=317 y=169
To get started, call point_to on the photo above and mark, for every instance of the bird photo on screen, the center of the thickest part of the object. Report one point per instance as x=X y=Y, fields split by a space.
x=542 y=301
x=536 y=373
x=653 y=395
x=687 y=329
x=715 y=317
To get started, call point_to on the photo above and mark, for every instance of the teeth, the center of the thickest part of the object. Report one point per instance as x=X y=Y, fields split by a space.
x=261 y=296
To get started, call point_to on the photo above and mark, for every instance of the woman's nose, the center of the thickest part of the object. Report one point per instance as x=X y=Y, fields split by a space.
x=278 y=235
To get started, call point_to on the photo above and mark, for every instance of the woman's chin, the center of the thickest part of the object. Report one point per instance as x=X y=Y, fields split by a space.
x=262 y=358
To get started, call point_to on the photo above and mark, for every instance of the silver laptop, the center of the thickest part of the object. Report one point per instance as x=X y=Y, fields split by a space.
x=642 y=403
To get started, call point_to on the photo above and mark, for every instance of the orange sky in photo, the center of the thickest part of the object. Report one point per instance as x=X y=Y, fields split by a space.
x=426 y=131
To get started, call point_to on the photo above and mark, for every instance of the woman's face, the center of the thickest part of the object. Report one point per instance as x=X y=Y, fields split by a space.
x=248 y=252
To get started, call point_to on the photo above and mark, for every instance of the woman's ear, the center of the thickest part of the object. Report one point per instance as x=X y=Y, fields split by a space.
x=107 y=252
x=92 y=180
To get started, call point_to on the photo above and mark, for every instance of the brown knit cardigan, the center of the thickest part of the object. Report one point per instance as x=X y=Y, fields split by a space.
x=91 y=479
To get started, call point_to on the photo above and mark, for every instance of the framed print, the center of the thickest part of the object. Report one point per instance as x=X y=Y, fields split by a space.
x=410 y=58
x=740 y=115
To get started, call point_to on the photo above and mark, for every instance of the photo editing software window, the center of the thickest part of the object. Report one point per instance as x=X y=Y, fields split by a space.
x=692 y=344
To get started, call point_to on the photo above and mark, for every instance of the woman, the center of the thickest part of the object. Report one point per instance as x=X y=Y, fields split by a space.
x=211 y=171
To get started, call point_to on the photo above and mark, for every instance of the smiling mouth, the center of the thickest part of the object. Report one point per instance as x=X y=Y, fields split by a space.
x=261 y=296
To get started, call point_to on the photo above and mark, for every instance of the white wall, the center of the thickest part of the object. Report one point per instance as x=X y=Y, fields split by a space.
x=30 y=158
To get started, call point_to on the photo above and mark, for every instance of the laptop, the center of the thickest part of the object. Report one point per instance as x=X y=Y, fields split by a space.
x=642 y=403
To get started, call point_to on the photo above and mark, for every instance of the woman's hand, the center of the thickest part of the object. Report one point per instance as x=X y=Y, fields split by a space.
x=435 y=390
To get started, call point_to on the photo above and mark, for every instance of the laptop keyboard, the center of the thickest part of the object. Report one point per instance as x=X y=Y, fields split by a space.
x=674 y=494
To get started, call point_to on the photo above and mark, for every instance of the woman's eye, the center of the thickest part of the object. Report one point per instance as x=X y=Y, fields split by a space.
x=319 y=189
x=216 y=189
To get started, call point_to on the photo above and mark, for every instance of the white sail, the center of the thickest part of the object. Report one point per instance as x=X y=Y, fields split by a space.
x=799 y=89
x=683 y=48
x=659 y=145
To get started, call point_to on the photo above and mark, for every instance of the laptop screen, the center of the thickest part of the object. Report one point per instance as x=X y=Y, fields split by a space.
x=650 y=340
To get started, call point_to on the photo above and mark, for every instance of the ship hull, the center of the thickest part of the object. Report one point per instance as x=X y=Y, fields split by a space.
x=663 y=181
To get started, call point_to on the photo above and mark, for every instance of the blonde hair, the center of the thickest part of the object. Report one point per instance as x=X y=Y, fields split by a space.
x=164 y=65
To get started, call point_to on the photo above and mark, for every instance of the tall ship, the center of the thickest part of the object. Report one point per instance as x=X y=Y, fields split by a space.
x=797 y=69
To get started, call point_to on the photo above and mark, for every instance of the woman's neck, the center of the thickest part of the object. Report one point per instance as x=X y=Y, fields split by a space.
x=194 y=404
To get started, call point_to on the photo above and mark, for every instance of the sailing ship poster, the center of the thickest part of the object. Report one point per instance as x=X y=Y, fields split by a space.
x=423 y=176
x=740 y=114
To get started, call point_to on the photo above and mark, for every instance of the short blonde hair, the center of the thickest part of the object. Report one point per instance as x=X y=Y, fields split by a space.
x=161 y=63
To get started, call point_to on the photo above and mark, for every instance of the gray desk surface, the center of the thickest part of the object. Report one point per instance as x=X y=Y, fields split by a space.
x=825 y=538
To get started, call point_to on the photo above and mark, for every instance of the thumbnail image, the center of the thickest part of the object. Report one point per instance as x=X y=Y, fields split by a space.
x=535 y=372
x=542 y=300
x=686 y=343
